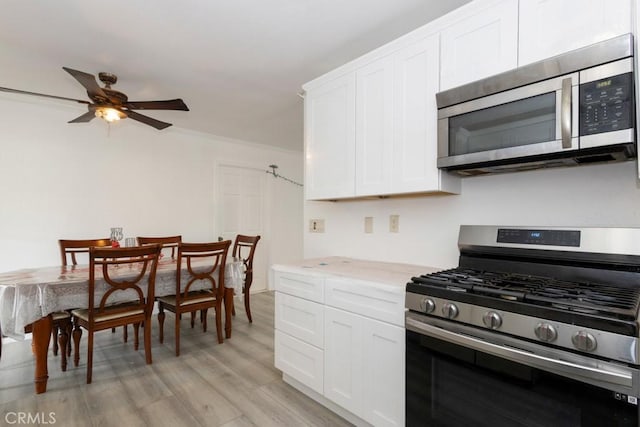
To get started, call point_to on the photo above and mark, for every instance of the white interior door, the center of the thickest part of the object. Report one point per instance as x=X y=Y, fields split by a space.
x=241 y=210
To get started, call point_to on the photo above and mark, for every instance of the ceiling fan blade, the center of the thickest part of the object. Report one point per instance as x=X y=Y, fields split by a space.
x=24 y=92
x=86 y=117
x=147 y=120
x=88 y=81
x=171 y=104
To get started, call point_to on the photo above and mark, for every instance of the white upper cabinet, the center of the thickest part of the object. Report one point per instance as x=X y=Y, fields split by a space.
x=373 y=130
x=483 y=42
x=551 y=27
x=374 y=127
x=330 y=139
x=396 y=148
x=415 y=146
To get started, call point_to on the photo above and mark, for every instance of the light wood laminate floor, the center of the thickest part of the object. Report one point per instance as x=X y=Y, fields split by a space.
x=210 y=384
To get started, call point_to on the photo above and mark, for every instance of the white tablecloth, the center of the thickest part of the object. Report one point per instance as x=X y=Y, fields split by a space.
x=30 y=294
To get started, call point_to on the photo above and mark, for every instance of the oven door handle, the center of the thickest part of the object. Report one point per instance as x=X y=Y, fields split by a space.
x=561 y=367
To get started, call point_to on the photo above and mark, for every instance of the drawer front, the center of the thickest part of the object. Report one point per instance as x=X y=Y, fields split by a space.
x=300 y=285
x=300 y=318
x=299 y=360
x=373 y=300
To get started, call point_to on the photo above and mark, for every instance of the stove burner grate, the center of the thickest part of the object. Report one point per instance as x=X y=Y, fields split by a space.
x=579 y=296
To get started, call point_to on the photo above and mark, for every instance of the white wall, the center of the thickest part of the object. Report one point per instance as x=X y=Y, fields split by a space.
x=60 y=180
x=595 y=195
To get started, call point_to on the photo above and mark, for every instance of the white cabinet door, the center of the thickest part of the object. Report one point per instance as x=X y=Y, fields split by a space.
x=343 y=359
x=374 y=127
x=300 y=318
x=551 y=27
x=480 y=45
x=330 y=139
x=305 y=286
x=384 y=373
x=299 y=360
x=414 y=144
x=382 y=302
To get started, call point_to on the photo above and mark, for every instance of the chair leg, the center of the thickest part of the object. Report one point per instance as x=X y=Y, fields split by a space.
x=125 y=333
x=54 y=338
x=113 y=330
x=89 y=357
x=247 y=307
x=203 y=319
x=136 y=342
x=69 y=341
x=193 y=319
x=161 y=317
x=147 y=340
x=177 y=334
x=63 y=339
x=219 y=323
x=77 y=334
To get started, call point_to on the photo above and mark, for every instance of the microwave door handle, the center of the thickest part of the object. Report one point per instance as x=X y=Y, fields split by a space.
x=565 y=113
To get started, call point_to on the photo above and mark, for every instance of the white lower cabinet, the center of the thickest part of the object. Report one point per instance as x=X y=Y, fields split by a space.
x=383 y=382
x=364 y=366
x=300 y=360
x=343 y=357
x=333 y=346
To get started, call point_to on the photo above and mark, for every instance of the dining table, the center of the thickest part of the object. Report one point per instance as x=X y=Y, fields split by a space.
x=28 y=297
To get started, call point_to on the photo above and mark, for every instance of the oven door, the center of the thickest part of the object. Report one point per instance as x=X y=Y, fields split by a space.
x=470 y=377
x=532 y=120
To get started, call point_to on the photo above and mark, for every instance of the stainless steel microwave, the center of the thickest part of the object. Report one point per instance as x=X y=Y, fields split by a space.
x=572 y=109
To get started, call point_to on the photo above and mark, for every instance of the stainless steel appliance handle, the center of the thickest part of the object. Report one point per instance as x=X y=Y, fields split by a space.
x=561 y=367
x=565 y=113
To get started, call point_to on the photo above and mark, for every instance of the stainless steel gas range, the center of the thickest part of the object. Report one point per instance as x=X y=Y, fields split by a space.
x=535 y=327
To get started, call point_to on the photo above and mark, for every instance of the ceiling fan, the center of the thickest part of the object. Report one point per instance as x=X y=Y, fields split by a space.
x=110 y=104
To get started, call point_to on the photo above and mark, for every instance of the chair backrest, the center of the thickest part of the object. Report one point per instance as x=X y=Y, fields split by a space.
x=165 y=242
x=128 y=276
x=204 y=265
x=245 y=248
x=73 y=247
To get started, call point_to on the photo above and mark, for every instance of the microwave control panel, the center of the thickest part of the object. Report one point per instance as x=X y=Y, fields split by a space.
x=606 y=105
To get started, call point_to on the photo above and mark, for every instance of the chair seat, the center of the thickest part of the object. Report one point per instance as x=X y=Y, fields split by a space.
x=60 y=315
x=84 y=314
x=194 y=298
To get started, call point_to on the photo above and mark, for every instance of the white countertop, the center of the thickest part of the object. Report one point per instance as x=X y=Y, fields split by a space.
x=387 y=273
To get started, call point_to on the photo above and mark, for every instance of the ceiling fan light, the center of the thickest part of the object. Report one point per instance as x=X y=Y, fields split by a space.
x=109 y=114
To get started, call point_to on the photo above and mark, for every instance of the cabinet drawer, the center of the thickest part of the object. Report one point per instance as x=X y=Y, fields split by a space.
x=300 y=285
x=300 y=318
x=300 y=360
x=381 y=302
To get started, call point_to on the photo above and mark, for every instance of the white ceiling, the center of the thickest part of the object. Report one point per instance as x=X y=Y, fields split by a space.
x=237 y=64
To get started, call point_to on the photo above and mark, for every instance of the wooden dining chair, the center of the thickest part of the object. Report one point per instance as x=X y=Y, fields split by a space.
x=61 y=326
x=118 y=296
x=244 y=248
x=170 y=242
x=197 y=289
x=74 y=247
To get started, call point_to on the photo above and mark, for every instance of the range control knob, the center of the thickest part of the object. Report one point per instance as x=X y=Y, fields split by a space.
x=583 y=340
x=449 y=310
x=546 y=332
x=492 y=320
x=427 y=305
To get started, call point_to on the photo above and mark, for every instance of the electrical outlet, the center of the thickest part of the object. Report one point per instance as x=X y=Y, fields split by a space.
x=316 y=226
x=394 y=223
x=368 y=224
